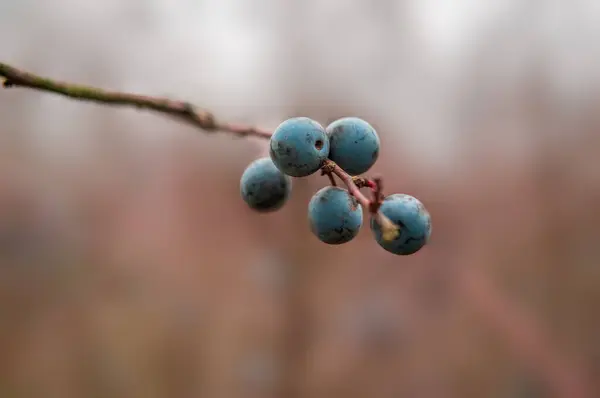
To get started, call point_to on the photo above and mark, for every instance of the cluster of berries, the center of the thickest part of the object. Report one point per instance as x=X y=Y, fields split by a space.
x=300 y=147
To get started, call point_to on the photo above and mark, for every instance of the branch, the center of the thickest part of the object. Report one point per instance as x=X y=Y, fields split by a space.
x=184 y=111
x=181 y=110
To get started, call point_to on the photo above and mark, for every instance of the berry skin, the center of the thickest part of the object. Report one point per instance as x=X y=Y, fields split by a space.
x=299 y=146
x=334 y=215
x=263 y=187
x=353 y=144
x=413 y=219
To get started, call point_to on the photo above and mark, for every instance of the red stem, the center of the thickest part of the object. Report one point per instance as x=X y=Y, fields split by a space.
x=389 y=229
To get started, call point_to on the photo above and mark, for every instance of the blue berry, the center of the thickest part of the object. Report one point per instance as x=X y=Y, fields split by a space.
x=263 y=187
x=354 y=144
x=299 y=146
x=334 y=215
x=414 y=221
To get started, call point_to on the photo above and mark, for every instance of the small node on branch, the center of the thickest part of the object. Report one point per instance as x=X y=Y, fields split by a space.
x=360 y=182
x=203 y=118
x=328 y=167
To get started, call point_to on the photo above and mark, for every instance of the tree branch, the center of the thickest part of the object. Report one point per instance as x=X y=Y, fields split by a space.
x=181 y=110
x=184 y=111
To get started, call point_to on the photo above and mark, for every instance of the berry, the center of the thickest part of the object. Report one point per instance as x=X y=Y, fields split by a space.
x=354 y=144
x=335 y=216
x=263 y=187
x=414 y=221
x=299 y=146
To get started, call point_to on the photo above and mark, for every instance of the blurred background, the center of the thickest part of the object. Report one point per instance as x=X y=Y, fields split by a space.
x=130 y=266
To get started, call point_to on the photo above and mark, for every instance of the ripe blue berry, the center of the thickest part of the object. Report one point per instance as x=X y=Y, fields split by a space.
x=335 y=216
x=353 y=144
x=263 y=187
x=414 y=221
x=299 y=146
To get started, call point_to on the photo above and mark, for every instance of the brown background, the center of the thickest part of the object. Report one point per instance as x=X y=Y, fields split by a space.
x=130 y=267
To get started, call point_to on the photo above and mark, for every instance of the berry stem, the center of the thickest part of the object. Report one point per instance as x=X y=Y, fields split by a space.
x=330 y=166
x=377 y=190
x=332 y=180
x=389 y=229
x=330 y=176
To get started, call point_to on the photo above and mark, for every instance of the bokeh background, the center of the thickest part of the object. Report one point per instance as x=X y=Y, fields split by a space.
x=130 y=266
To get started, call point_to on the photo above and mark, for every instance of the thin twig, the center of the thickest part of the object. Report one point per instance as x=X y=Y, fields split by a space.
x=330 y=176
x=389 y=230
x=182 y=110
x=330 y=166
x=332 y=180
x=362 y=182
